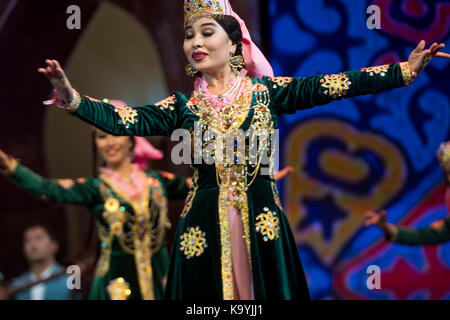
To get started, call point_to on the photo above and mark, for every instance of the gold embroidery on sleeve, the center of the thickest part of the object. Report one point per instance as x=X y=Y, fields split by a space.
x=167 y=103
x=381 y=70
x=337 y=85
x=281 y=81
x=127 y=115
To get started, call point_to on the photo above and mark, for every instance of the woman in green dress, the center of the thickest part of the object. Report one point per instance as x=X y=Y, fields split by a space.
x=437 y=232
x=129 y=204
x=233 y=240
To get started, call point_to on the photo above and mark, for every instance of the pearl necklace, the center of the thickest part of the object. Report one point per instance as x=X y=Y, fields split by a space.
x=221 y=97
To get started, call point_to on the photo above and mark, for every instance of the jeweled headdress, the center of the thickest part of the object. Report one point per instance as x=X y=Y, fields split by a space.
x=196 y=9
x=256 y=63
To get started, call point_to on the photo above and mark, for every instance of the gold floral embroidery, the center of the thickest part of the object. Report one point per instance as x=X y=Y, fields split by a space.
x=381 y=70
x=193 y=242
x=114 y=215
x=407 y=73
x=167 y=103
x=281 y=81
x=268 y=225
x=227 y=112
x=127 y=115
x=118 y=289
x=337 y=85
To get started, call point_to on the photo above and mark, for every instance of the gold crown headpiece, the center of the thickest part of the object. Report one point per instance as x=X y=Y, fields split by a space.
x=197 y=9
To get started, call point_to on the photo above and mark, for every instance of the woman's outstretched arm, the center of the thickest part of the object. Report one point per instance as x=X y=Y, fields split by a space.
x=63 y=191
x=408 y=235
x=150 y=120
x=288 y=94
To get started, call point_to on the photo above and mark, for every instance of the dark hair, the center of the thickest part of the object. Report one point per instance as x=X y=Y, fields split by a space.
x=233 y=30
x=42 y=226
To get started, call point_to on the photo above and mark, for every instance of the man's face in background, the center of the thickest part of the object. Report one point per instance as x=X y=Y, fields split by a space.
x=38 y=245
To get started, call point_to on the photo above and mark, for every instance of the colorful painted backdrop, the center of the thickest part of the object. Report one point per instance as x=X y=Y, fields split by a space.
x=370 y=152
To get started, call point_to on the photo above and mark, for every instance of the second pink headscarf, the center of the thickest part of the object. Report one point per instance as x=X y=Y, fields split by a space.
x=256 y=63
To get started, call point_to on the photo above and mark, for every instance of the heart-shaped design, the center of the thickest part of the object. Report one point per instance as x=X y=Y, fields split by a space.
x=342 y=179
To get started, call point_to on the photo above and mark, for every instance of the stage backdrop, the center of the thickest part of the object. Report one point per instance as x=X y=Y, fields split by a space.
x=371 y=152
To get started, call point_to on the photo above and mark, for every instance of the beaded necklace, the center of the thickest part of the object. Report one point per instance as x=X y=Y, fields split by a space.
x=132 y=187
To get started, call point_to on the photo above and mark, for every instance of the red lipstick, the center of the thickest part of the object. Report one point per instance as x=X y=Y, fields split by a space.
x=199 y=55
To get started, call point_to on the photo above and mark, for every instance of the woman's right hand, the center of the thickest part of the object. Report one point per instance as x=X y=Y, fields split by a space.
x=7 y=163
x=377 y=219
x=57 y=77
x=380 y=220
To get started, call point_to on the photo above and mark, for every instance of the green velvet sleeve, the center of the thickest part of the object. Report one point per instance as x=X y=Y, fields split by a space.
x=423 y=236
x=158 y=119
x=176 y=186
x=83 y=192
x=291 y=94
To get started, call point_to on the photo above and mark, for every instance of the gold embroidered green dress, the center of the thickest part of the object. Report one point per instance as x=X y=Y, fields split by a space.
x=201 y=260
x=133 y=261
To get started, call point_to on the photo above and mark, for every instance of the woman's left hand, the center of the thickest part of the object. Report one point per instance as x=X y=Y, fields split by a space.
x=7 y=164
x=438 y=224
x=282 y=173
x=419 y=58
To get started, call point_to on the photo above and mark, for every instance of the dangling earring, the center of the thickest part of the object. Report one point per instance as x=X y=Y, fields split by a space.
x=190 y=70
x=236 y=62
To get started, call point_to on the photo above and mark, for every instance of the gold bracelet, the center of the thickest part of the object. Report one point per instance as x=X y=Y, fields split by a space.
x=407 y=73
x=75 y=103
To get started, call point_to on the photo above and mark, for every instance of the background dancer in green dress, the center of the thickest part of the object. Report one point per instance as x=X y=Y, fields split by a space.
x=129 y=204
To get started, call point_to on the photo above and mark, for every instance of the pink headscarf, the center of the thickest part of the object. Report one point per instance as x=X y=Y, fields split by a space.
x=143 y=151
x=256 y=63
